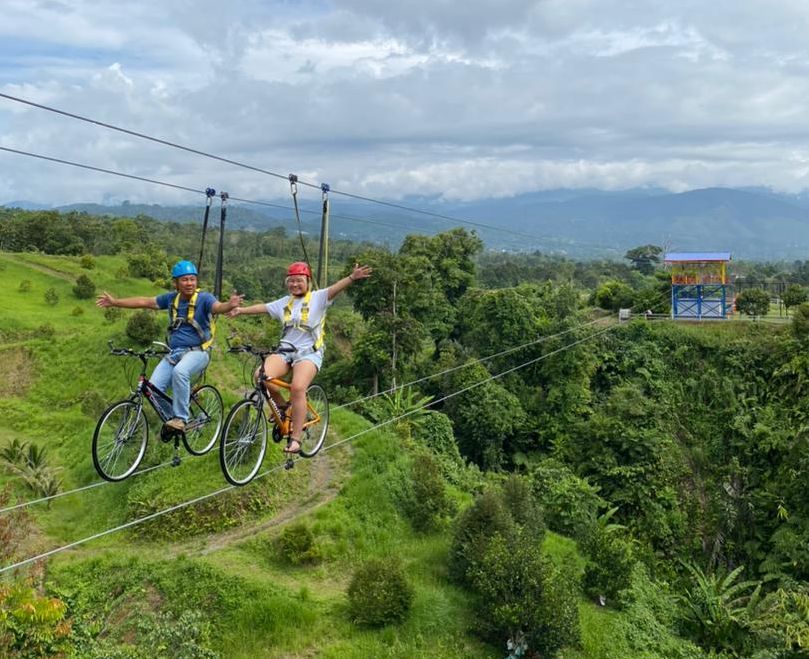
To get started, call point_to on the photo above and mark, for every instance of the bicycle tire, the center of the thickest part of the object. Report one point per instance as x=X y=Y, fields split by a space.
x=243 y=443
x=205 y=421
x=313 y=436
x=120 y=437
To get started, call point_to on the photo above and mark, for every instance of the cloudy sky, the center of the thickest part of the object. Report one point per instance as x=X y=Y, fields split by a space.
x=460 y=100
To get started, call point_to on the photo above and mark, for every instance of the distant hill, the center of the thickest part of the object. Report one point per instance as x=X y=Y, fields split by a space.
x=753 y=223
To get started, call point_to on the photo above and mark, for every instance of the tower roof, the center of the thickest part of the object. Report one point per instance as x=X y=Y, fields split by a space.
x=695 y=257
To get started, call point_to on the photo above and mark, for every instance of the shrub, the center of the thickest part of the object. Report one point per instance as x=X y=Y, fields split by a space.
x=25 y=286
x=93 y=403
x=524 y=509
x=77 y=311
x=84 y=288
x=87 y=262
x=570 y=504
x=753 y=302
x=613 y=295
x=31 y=625
x=425 y=501
x=143 y=327
x=46 y=331
x=51 y=296
x=112 y=314
x=522 y=596
x=610 y=559
x=296 y=544
x=485 y=518
x=379 y=594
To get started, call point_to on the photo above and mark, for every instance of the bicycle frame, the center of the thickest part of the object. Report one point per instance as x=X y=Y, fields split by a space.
x=282 y=421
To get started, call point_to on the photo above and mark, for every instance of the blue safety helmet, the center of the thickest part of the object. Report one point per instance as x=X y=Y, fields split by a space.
x=182 y=268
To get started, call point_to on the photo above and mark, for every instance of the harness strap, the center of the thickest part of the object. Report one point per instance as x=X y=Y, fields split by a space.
x=303 y=322
x=205 y=338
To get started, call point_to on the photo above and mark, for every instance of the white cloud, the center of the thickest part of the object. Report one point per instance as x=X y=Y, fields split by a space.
x=464 y=100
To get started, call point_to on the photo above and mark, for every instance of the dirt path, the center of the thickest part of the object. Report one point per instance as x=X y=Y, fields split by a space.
x=324 y=484
x=40 y=268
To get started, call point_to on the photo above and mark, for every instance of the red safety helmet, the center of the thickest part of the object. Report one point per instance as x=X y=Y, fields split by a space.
x=299 y=268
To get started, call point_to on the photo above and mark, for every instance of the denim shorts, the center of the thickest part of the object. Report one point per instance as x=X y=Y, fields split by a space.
x=315 y=357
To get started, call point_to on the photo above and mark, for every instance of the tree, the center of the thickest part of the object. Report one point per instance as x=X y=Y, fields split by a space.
x=753 y=302
x=51 y=296
x=644 y=258
x=84 y=288
x=794 y=295
x=143 y=327
x=613 y=295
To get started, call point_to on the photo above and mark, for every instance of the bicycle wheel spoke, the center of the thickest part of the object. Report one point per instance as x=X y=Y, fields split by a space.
x=244 y=441
x=119 y=441
x=202 y=429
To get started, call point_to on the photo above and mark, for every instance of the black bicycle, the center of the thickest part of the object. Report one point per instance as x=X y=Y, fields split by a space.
x=122 y=432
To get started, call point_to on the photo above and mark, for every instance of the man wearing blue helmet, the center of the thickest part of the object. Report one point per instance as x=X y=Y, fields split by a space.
x=189 y=334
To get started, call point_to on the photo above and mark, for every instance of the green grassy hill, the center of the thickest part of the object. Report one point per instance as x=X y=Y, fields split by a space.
x=215 y=578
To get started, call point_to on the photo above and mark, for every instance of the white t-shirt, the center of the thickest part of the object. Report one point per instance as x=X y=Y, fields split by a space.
x=318 y=303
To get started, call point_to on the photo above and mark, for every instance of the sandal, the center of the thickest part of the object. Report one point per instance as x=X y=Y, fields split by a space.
x=293 y=446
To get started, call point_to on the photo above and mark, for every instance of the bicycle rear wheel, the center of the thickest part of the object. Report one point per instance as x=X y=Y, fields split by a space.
x=119 y=440
x=317 y=421
x=205 y=421
x=244 y=442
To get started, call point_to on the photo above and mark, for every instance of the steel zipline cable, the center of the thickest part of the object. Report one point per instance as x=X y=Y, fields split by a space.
x=466 y=364
x=236 y=163
x=144 y=179
x=209 y=495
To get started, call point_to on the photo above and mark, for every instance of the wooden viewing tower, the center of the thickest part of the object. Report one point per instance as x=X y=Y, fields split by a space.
x=699 y=284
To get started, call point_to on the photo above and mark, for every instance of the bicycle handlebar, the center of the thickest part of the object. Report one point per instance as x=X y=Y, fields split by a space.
x=128 y=352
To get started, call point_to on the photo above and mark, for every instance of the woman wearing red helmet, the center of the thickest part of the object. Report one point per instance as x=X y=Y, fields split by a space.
x=302 y=313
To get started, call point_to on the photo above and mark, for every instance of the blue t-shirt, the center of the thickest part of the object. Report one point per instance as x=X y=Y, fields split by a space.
x=185 y=336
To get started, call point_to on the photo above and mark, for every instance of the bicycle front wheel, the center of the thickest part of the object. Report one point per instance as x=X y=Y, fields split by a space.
x=119 y=440
x=317 y=421
x=205 y=421
x=244 y=442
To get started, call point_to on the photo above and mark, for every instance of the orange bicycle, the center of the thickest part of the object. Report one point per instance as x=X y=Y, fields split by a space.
x=244 y=435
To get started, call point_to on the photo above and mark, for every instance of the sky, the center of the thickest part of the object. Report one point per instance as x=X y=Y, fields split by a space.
x=454 y=100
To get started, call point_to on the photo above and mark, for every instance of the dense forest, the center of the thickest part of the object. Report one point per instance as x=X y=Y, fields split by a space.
x=541 y=462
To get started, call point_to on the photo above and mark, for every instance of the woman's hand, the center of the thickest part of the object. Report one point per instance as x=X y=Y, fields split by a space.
x=360 y=272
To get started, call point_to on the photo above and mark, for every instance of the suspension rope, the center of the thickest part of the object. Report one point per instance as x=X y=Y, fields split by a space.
x=293 y=188
x=78 y=489
x=209 y=193
x=185 y=504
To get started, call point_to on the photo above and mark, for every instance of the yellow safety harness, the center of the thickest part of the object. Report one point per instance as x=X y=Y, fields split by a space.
x=302 y=323
x=207 y=339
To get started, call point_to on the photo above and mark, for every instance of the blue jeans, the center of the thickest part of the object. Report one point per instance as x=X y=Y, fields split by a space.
x=179 y=376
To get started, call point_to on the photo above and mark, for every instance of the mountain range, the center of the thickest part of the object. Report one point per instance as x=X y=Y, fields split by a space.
x=752 y=223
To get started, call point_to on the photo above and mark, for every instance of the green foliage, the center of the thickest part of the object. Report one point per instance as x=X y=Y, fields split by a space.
x=718 y=609
x=474 y=529
x=84 y=288
x=648 y=626
x=645 y=258
x=800 y=322
x=379 y=594
x=32 y=625
x=25 y=286
x=610 y=560
x=522 y=596
x=613 y=295
x=296 y=544
x=51 y=296
x=570 y=503
x=163 y=636
x=753 y=302
x=87 y=262
x=112 y=314
x=782 y=621
x=29 y=462
x=151 y=264
x=795 y=295
x=77 y=311
x=143 y=327
x=425 y=502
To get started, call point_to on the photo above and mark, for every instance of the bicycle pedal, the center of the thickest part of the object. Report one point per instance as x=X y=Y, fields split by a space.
x=276 y=434
x=175 y=461
x=289 y=464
